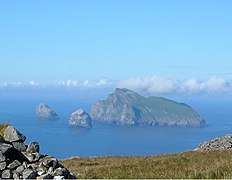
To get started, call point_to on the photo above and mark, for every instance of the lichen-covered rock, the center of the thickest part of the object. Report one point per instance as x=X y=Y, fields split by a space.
x=81 y=119
x=33 y=147
x=2 y=166
x=44 y=112
x=11 y=134
x=5 y=148
x=14 y=165
x=18 y=162
x=220 y=143
x=29 y=174
x=20 y=146
x=7 y=174
x=2 y=157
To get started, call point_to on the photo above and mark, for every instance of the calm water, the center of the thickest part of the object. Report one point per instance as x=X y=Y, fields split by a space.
x=62 y=141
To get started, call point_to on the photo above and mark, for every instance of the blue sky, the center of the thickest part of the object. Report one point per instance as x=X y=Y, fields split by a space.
x=121 y=40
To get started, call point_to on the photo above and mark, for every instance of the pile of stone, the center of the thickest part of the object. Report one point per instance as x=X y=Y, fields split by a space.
x=20 y=161
x=221 y=143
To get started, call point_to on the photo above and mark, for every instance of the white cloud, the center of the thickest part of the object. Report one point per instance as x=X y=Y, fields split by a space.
x=147 y=85
x=161 y=85
x=11 y=84
x=153 y=84
x=103 y=82
x=86 y=83
x=214 y=85
x=33 y=83
x=68 y=83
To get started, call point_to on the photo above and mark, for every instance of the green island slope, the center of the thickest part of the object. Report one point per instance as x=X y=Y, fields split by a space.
x=192 y=164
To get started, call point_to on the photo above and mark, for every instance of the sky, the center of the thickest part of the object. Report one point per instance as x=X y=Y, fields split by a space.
x=155 y=46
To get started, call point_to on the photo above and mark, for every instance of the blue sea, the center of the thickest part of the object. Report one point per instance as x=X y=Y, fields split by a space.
x=59 y=139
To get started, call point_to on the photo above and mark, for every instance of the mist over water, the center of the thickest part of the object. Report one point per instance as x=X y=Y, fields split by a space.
x=63 y=141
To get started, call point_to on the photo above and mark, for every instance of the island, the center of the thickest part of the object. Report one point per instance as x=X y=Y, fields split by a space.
x=80 y=118
x=44 y=112
x=126 y=107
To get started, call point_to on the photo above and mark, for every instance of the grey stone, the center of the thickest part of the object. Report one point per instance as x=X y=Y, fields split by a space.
x=220 y=143
x=11 y=134
x=4 y=148
x=33 y=157
x=29 y=174
x=61 y=172
x=51 y=162
x=1 y=139
x=7 y=174
x=16 y=175
x=44 y=112
x=59 y=177
x=71 y=176
x=81 y=119
x=2 y=157
x=20 y=146
x=33 y=147
x=41 y=169
x=20 y=163
x=58 y=171
x=51 y=171
x=20 y=169
x=37 y=156
x=14 y=164
x=29 y=156
x=45 y=176
x=2 y=165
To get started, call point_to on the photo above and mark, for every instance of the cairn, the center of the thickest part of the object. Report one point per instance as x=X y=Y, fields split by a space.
x=21 y=161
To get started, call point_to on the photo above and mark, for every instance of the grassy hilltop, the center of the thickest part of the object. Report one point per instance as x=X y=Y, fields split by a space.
x=192 y=164
x=215 y=164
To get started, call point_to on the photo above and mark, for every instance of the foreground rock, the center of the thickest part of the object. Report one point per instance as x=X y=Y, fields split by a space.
x=20 y=161
x=220 y=143
x=125 y=107
x=43 y=111
x=81 y=119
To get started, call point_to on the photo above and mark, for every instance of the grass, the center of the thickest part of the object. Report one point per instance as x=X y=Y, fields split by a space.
x=206 y=165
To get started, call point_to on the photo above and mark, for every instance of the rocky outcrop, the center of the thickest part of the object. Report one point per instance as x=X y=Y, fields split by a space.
x=220 y=143
x=44 y=112
x=20 y=161
x=81 y=119
x=125 y=107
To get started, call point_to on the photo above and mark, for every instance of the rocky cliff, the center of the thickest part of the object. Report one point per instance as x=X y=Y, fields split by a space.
x=80 y=118
x=125 y=107
x=44 y=112
x=21 y=161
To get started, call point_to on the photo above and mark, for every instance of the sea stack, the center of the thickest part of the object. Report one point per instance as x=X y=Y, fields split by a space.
x=125 y=107
x=44 y=112
x=80 y=118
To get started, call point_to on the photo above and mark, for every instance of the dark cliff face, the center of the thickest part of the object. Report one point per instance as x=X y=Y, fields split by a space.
x=125 y=107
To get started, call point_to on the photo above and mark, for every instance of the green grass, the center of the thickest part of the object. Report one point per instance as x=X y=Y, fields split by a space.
x=207 y=165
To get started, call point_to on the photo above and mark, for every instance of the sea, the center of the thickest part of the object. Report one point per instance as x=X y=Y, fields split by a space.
x=59 y=139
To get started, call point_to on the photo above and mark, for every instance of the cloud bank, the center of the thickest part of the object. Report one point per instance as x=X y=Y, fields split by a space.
x=69 y=84
x=151 y=85
x=162 y=85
